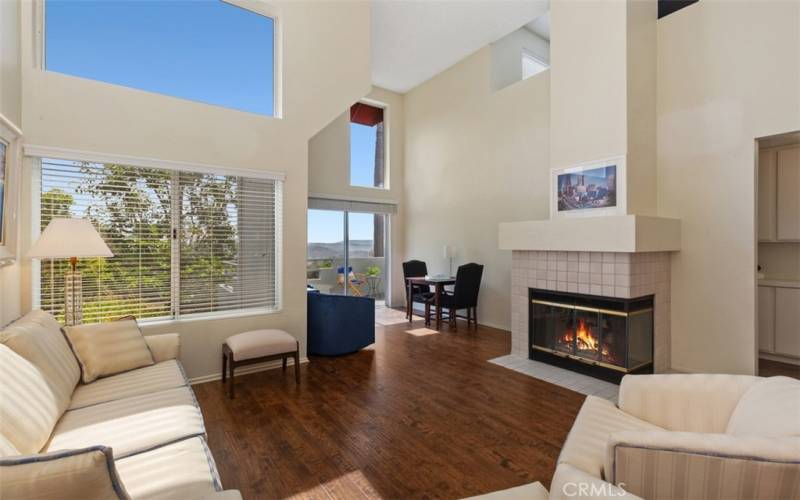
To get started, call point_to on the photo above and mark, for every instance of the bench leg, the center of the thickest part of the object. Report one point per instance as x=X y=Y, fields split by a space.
x=224 y=367
x=233 y=381
x=284 y=363
x=296 y=366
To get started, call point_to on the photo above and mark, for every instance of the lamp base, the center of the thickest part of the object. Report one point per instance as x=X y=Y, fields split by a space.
x=73 y=298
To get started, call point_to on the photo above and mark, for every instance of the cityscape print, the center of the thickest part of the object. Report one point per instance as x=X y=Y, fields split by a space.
x=591 y=188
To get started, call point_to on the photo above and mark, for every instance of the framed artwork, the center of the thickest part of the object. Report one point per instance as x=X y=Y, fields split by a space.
x=589 y=189
x=10 y=159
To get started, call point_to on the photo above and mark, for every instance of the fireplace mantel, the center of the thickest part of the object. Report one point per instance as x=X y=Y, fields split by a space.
x=617 y=233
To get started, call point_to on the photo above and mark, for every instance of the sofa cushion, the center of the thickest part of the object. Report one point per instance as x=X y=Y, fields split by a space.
x=28 y=407
x=598 y=418
x=570 y=482
x=108 y=348
x=37 y=337
x=771 y=408
x=682 y=401
x=260 y=343
x=530 y=491
x=7 y=449
x=66 y=475
x=147 y=380
x=179 y=470
x=131 y=425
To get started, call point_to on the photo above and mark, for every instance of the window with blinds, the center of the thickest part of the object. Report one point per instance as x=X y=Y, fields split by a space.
x=184 y=244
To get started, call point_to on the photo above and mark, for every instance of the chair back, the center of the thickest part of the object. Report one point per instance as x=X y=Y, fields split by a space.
x=414 y=269
x=468 y=284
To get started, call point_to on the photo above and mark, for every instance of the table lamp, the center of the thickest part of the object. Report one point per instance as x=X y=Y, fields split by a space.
x=450 y=254
x=70 y=239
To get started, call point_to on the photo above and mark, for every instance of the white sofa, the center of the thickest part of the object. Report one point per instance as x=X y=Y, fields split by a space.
x=676 y=436
x=137 y=434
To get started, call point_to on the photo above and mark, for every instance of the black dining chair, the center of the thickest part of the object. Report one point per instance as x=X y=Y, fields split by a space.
x=463 y=296
x=419 y=293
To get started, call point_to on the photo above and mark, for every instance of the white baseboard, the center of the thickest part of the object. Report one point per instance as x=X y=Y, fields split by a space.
x=259 y=367
x=777 y=357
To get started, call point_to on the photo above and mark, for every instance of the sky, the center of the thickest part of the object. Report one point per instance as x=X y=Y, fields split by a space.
x=202 y=50
x=327 y=226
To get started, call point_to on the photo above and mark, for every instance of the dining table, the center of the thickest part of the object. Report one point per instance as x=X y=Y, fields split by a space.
x=437 y=283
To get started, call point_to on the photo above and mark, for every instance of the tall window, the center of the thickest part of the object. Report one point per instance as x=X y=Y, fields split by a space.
x=184 y=243
x=202 y=50
x=367 y=154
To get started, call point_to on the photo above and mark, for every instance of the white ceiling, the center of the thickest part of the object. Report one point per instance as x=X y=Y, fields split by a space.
x=413 y=40
x=541 y=26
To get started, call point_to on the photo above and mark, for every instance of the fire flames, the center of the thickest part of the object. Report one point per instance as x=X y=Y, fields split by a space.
x=585 y=341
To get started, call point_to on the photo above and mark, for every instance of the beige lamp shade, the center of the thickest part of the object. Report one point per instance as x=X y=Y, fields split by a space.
x=67 y=238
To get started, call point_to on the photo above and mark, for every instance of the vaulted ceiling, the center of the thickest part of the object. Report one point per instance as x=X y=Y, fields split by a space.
x=414 y=40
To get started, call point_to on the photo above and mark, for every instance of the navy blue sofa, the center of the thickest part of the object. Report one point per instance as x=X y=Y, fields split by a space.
x=339 y=324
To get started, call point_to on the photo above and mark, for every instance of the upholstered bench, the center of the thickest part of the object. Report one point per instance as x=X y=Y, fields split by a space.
x=258 y=346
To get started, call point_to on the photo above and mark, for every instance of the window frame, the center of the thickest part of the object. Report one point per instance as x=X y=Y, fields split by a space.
x=387 y=184
x=11 y=136
x=525 y=53
x=260 y=8
x=35 y=153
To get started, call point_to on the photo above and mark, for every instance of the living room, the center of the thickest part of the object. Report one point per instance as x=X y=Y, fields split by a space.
x=625 y=182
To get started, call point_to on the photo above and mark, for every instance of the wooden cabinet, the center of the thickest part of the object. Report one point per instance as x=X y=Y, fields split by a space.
x=787 y=321
x=767 y=192
x=779 y=318
x=788 y=202
x=779 y=194
x=766 y=319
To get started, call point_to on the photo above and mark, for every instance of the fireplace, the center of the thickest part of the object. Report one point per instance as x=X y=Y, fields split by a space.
x=605 y=337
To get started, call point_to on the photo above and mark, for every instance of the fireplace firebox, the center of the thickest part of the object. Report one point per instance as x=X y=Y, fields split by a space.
x=605 y=337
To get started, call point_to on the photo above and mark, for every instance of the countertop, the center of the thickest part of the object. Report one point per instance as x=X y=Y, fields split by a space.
x=779 y=281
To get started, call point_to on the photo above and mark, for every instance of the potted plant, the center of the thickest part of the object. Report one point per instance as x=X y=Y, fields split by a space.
x=373 y=271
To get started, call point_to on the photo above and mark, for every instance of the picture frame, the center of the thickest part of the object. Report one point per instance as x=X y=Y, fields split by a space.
x=596 y=188
x=10 y=175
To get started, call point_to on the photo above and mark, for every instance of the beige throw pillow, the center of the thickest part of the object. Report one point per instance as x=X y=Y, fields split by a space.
x=104 y=349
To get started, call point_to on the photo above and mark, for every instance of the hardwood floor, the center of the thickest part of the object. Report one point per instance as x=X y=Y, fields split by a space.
x=412 y=417
x=769 y=368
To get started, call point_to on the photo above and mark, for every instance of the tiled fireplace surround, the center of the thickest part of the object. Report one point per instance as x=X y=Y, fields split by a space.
x=611 y=274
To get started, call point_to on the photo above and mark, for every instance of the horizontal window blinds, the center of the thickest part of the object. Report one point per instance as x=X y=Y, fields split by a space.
x=319 y=203
x=184 y=243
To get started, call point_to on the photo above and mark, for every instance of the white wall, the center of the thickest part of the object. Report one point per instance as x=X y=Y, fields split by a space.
x=326 y=68
x=329 y=172
x=728 y=73
x=475 y=158
x=588 y=104
x=603 y=80
x=507 y=56
x=11 y=108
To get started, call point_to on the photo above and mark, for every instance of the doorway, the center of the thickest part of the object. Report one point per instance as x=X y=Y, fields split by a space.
x=347 y=253
x=778 y=255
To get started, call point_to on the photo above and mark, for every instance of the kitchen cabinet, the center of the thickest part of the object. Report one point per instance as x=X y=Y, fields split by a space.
x=767 y=192
x=788 y=202
x=779 y=194
x=766 y=319
x=787 y=321
x=779 y=317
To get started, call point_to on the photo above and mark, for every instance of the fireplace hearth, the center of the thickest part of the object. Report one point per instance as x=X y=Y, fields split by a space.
x=606 y=337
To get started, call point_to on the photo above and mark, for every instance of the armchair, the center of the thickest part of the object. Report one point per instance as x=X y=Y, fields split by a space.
x=676 y=436
x=691 y=436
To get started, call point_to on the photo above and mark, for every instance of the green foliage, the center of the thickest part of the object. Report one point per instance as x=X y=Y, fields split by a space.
x=373 y=271
x=132 y=209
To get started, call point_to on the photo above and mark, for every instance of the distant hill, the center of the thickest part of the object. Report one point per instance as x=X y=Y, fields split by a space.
x=358 y=248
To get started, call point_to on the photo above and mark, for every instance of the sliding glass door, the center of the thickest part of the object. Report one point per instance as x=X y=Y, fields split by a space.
x=347 y=253
x=326 y=250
